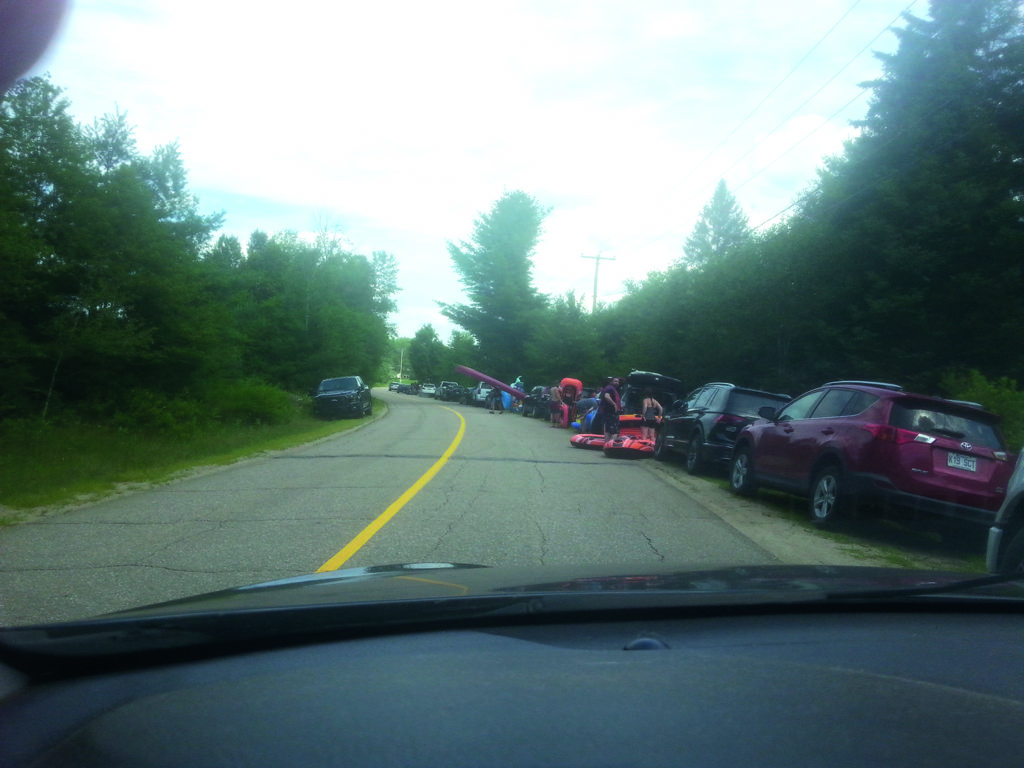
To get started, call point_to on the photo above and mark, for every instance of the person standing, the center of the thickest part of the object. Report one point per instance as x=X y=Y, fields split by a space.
x=555 y=405
x=610 y=406
x=649 y=414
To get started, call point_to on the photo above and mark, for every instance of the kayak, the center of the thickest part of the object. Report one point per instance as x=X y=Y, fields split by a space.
x=499 y=385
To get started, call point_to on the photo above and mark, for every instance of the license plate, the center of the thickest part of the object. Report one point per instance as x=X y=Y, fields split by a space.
x=960 y=461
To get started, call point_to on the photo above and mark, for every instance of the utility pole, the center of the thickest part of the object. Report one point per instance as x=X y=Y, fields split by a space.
x=597 y=265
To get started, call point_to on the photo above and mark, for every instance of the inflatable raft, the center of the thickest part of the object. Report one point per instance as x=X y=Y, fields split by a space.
x=587 y=441
x=628 y=447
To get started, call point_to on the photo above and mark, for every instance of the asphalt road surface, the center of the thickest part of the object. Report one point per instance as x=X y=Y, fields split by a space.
x=512 y=492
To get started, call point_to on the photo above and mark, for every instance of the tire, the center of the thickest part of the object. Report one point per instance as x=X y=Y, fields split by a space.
x=1012 y=559
x=369 y=409
x=661 y=451
x=695 y=463
x=741 y=472
x=825 y=502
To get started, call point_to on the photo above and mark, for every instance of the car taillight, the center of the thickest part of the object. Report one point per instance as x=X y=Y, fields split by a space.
x=890 y=434
x=730 y=419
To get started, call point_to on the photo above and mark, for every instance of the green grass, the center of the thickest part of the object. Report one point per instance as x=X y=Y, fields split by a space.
x=47 y=465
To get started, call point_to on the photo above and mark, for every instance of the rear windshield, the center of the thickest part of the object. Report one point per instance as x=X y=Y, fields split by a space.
x=748 y=403
x=333 y=385
x=934 y=419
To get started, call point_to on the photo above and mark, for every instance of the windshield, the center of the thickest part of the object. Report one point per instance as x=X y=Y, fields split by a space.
x=336 y=385
x=207 y=212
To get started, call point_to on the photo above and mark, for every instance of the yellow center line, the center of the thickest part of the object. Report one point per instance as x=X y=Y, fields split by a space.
x=367 y=533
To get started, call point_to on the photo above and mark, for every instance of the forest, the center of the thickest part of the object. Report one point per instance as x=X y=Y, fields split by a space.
x=901 y=262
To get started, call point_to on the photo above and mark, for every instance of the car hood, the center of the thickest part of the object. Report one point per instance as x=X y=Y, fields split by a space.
x=437 y=582
x=425 y=596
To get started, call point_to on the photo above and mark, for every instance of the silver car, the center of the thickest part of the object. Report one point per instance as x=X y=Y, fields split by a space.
x=1006 y=536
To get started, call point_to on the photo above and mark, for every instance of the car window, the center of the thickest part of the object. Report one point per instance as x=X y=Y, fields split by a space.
x=946 y=422
x=800 y=408
x=718 y=397
x=748 y=403
x=703 y=398
x=859 y=403
x=345 y=382
x=832 y=404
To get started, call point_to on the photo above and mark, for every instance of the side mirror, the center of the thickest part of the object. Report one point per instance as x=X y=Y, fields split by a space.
x=766 y=412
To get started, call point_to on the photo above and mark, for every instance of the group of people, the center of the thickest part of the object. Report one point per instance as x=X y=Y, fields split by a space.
x=609 y=407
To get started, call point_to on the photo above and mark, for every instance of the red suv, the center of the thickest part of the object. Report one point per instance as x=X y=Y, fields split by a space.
x=849 y=442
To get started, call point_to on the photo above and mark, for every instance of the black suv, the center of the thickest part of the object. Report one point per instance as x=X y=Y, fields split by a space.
x=665 y=388
x=706 y=424
x=342 y=396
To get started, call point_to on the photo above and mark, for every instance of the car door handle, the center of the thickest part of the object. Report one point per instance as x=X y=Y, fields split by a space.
x=828 y=431
x=787 y=429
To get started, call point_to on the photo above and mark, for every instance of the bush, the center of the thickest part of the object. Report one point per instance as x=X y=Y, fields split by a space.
x=1000 y=396
x=145 y=409
x=250 y=403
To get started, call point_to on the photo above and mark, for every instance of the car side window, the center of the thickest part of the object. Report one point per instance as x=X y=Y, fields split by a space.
x=859 y=403
x=800 y=408
x=832 y=404
x=716 y=400
x=703 y=398
x=691 y=399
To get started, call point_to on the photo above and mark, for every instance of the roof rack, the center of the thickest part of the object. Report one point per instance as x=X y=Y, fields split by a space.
x=879 y=384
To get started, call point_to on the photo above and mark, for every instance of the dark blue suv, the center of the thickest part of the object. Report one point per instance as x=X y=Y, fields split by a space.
x=342 y=396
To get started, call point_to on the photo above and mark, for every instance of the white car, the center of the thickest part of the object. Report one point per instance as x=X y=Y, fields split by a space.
x=481 y=393
x=428 y=390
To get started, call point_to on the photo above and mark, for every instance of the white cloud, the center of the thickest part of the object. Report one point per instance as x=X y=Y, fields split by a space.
x=406 y=120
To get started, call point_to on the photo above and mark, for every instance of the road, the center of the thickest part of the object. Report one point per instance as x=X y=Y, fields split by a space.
x=512 y=492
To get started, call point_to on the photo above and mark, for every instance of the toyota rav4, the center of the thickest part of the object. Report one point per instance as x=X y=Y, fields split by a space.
x=849 y=443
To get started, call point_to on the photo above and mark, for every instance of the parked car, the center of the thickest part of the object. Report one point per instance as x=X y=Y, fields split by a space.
x=447 y=391
x=849 y=443
x=1006 y=536
x=342 y=396
x=705 y=425
x=531 y=401
x=480 y=393
x=394 y=386
x=428 y=390
x=666 y=390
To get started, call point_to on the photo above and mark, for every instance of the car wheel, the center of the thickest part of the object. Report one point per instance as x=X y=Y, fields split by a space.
x=741 y=473
x=1012 y=560
x=369 y=408
x=825 y=501
x=694 y=454
x=661 y=451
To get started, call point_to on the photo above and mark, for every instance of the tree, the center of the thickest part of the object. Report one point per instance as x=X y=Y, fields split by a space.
x=722 y=228
x=426 y=355
x=925 y=207
x=495 y=269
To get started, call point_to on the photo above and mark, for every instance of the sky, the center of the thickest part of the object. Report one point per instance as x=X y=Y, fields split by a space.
x=398 y=123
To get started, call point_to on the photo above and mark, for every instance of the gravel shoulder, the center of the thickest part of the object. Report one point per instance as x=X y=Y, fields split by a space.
x=795 y=542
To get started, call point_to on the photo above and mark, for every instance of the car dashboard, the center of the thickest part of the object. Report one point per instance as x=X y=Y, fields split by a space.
x=936 y=686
